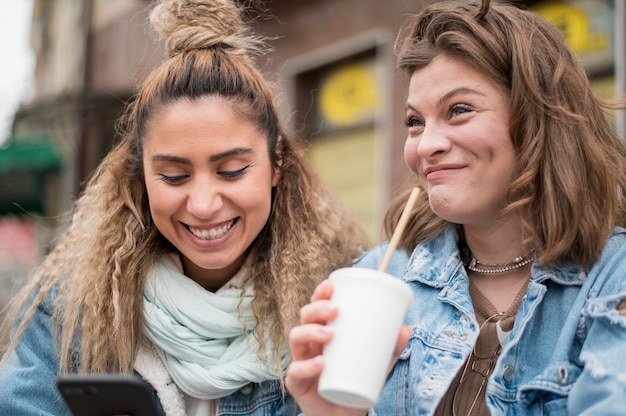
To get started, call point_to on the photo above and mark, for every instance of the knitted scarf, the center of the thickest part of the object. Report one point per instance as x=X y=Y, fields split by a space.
x=204 y=339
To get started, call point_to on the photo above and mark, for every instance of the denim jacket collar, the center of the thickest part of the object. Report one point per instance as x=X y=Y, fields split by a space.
x=440 y=271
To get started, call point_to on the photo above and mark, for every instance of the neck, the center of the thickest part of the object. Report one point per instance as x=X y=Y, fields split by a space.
x=498 y=244
x=478 y=266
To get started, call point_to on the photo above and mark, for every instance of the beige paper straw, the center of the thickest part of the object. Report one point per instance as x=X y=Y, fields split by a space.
x=397 y=233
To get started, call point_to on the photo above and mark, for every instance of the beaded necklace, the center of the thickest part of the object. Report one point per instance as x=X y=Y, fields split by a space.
x=490 y=268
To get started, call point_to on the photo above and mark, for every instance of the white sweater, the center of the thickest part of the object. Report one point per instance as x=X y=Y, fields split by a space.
x=149 y=365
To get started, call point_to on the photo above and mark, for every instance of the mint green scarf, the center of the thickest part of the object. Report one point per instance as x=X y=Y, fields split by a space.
x=199 y=335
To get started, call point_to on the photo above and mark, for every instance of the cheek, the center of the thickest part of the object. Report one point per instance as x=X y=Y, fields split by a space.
x=155 y=204
x=252 y=195
x=161 y=200
x=259 y=202
x=411 y=157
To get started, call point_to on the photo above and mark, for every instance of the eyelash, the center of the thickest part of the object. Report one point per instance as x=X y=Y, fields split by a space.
x=231 y=175
x=409 y=122
x=465 y=108
x=173 y=180
x=228 y=175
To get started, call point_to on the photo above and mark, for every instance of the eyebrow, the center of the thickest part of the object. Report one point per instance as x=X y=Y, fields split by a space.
x=214 y=158
x=450 y=94
x=457 y=91
x=230 y=153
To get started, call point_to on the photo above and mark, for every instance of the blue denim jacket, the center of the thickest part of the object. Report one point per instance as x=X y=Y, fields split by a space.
x=566 y=354
x=27 y=381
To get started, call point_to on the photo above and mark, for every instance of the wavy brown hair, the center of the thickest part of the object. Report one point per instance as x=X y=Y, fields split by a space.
x=96 y=272
x=569 y=192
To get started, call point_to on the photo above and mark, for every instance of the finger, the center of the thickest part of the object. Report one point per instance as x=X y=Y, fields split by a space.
x=401 y=343
x=318 y=312
x=307 y=341
x=323 y=291
x=305 y=369
x=403 y=340
x=303 y=375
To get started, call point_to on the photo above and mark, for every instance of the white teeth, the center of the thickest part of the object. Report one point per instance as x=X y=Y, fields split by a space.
x=213 y=233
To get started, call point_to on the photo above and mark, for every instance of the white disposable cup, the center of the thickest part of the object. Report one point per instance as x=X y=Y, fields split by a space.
x=371 y=308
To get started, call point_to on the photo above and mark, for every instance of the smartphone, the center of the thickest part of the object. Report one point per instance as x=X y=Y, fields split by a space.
x=108 y=395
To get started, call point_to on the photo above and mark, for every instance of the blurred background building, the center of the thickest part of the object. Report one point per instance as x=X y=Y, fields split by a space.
x=333 y=67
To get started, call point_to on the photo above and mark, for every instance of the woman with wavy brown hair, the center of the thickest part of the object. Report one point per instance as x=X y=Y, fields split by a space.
x=516 y=248
x=194 y=245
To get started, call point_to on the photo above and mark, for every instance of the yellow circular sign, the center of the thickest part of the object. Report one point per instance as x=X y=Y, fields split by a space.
x=575 y=26
x=348 y=96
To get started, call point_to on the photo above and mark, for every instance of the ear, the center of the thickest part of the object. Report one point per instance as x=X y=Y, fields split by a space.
x=279 y=161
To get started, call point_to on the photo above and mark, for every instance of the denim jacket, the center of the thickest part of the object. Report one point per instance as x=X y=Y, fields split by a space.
x=27 y=382
x=566 y=354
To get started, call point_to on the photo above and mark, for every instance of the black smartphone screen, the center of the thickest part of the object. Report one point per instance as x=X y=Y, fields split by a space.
x=108 y=395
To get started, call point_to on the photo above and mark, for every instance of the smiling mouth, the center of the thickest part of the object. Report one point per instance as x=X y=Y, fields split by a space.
x=441 y=170
x=212 y=233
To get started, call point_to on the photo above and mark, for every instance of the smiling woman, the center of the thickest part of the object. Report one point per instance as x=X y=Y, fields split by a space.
x=210 y=191
x=516 y=248
x=196 y=242
x=468 y=113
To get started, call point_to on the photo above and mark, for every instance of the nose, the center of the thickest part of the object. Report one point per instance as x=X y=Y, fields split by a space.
x=433 y=141
x=205 y=198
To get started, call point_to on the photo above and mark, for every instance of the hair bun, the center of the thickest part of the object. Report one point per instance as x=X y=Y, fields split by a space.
x=201 y=24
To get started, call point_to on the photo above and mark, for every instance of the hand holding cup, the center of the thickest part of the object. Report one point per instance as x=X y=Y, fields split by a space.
x=371 y=307
x=307 y=342
x=357 y=361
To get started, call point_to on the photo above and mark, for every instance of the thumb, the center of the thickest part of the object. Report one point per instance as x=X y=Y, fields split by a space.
x=403 y=341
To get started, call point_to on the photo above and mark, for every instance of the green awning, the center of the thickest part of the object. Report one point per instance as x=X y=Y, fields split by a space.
x=30 y=153
x=26 y=163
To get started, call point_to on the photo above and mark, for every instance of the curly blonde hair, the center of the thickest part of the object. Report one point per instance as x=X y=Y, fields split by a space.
x=570 y=189
x=96 y=272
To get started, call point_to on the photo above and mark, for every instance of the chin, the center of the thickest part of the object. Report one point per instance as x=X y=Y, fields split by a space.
x=450 y=214
x=441 y=204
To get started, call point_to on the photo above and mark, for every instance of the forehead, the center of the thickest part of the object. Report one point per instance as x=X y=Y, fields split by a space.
x=445 y=72
x=210 y=122
x=186 y=109
x=446 y=77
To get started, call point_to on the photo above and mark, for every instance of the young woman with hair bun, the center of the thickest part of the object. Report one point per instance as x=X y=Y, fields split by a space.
x=193 y=246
